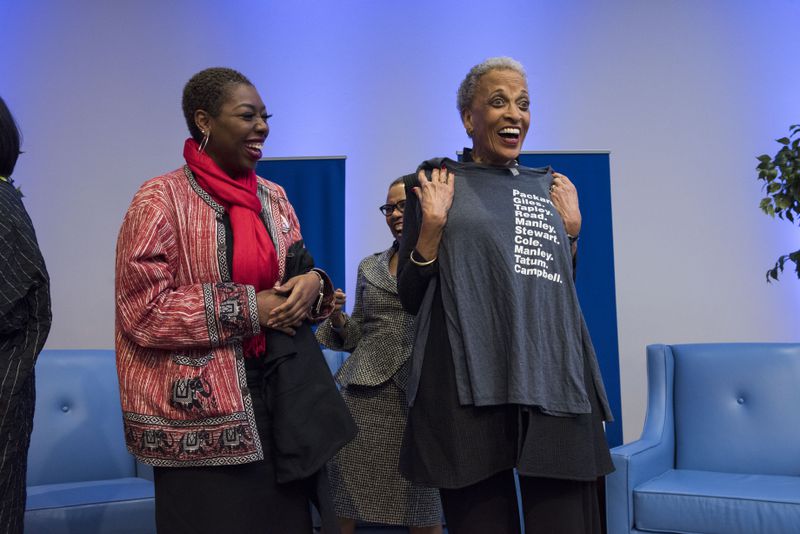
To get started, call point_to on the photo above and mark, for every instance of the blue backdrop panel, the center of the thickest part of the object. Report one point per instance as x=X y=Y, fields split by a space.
x=315 y=187
x=591 y=174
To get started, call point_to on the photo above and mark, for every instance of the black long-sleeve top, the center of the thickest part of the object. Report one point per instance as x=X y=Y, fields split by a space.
x=412 y=279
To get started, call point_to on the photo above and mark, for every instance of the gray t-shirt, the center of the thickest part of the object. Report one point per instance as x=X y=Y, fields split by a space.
x=506 y=275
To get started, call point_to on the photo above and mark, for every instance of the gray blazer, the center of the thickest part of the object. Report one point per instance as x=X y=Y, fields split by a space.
x=379 y=332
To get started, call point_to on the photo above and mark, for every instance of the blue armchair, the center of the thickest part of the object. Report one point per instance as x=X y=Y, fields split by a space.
x=720 y=449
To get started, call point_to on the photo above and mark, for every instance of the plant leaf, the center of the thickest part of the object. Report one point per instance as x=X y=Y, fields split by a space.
x=772 y=273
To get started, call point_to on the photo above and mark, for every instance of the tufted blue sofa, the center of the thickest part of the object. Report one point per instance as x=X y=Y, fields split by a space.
x=81 y=478
x=720 y=450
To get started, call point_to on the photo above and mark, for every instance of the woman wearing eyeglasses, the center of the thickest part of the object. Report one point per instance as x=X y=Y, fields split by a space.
x=365 y=480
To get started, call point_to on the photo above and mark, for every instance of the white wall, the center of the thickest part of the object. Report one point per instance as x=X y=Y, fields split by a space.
x=684 y=95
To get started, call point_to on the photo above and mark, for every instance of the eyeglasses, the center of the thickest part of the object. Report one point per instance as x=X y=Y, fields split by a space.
x=388 y=209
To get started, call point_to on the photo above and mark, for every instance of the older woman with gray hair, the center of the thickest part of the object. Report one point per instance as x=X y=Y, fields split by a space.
x=503 y=374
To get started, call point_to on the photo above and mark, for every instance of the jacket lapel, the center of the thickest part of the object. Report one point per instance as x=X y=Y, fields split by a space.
x=377 y=272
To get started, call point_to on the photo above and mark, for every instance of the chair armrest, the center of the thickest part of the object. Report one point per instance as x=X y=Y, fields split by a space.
x=144 y=471
x=654 y=452
x=634 y=464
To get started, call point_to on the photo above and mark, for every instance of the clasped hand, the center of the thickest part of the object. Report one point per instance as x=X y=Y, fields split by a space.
x=338 y=318
x=286 y=306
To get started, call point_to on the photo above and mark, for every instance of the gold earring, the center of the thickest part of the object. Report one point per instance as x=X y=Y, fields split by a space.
x=204 y=142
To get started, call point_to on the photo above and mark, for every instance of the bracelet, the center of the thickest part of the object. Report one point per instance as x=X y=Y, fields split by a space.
x=318 y=303
x=572 y=239
x=420 y=263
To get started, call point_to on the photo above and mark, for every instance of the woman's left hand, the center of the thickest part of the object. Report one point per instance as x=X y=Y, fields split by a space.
x=338 y=318
x=565 y=199
x=300 y=291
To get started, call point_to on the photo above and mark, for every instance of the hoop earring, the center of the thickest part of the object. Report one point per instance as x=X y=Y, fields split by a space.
x=204 y=142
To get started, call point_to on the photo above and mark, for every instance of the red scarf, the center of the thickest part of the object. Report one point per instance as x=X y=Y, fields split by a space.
x=255 y=261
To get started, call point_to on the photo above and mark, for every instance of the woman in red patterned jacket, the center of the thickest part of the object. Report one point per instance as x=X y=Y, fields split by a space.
x=217 y=364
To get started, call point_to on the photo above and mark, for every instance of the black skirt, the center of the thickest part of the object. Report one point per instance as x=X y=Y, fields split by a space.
x=447 y=445
x=234 y=498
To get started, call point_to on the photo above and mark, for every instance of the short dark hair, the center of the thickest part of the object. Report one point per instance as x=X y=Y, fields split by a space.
x=207 y=90
x=9 y=140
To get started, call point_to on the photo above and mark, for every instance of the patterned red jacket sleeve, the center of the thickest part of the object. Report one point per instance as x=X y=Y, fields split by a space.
x=153 y=309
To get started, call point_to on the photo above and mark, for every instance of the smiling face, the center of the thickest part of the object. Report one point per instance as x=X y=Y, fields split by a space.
x=237 y=132
x=498 y=117
x=397 y=193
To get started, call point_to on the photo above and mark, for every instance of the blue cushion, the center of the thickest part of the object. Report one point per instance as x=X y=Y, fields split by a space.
x=118 y=506
x=736 y=408
x=121 y=517
x=704 y=501
x=77 y=425
x=83 y=493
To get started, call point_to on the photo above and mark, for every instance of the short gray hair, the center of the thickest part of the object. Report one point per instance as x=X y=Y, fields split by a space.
x=466 y=91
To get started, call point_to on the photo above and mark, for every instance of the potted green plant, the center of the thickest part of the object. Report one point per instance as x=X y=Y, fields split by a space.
x=781 y=176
